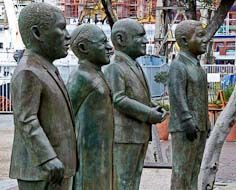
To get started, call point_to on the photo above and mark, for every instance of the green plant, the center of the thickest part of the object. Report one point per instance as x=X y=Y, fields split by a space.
x=161 y=77
x=166 y=107
x=228 y=91
x=163 y=103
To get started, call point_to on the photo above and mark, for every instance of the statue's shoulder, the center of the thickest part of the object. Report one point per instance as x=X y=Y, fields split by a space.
x=179 y=61
x=27 y=66
x=83 y=78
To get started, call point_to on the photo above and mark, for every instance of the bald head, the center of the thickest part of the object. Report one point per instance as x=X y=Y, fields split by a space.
x=126 y=27
x=128 y=36
x=84 y=33
x=41 y=15
x=186 y=28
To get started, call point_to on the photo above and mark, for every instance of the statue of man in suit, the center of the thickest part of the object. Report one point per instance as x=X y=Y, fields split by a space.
x=189 y=123
x=93 y=109
x=44 y=148
x=134 y=112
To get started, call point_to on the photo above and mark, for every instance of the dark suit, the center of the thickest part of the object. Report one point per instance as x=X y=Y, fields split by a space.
x=188 y=100
x=43 y=118
x=92 y=105
x=132 y=101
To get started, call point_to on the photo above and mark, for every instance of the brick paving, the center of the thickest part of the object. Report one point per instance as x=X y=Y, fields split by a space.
x=152 y=179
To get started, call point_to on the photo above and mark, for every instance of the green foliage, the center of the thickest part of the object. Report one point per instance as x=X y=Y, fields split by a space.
x=213 y=89
x=210 y=4
x=228 y=91
x=161 y=77
x=217 y=102
x=163 y=103
x=166 y=107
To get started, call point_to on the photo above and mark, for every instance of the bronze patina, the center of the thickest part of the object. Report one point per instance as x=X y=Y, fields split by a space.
x=93 y=109
x=134 y=111
x=188 y=94
x=44 y=148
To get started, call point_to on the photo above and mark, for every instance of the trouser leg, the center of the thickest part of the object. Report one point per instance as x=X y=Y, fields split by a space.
x=44 y=185
x=184 y=155
x=198 y=160
x=128 y=165
x=140 y=164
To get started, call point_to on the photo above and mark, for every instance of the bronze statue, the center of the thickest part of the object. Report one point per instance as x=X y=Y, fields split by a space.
x=134 y=112
x=189 y=123
x=93 y=109
x=44 y=148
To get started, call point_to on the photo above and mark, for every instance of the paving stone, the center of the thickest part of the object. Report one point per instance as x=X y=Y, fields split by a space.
x=152 y=179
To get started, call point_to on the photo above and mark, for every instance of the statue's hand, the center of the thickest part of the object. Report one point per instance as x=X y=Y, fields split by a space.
x=55 y=168
x=154 y=116
x=163 y=112
x=190 y=129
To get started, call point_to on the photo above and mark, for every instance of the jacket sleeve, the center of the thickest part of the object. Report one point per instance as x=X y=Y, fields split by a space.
x=124 y=104
x=26 y=92
x=177 y=85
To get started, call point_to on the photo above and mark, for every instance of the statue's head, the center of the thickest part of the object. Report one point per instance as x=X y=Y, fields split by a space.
x=43 y=30
x=88 y=42
x=128 y=36
x=191 y=36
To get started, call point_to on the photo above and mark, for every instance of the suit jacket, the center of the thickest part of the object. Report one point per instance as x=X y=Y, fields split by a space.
x=131 y=97
x=92 y=105
x=43 y=118
x=187 y=92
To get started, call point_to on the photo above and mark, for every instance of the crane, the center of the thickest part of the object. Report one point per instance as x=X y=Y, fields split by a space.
x=15 y=38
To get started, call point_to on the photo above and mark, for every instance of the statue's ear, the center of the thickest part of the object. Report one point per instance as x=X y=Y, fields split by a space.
x=184 y=40
x=35 y=32
x=83 y=48
x=121 y=38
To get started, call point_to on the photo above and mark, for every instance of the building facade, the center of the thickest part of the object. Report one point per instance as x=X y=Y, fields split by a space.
x=122 y=8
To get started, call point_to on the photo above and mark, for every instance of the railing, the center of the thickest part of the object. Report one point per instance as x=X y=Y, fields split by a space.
x=222 y=69
x=66 y=66
x=6 y=72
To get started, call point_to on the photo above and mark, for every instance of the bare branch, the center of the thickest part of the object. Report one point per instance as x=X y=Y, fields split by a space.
x=219 y=17
x=191 y=10
x=107 y=4
x=210 y=162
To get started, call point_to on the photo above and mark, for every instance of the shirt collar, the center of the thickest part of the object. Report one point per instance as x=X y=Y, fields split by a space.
x=190 y=57
x=42 y=61
x=125 y=56
x=86 y=63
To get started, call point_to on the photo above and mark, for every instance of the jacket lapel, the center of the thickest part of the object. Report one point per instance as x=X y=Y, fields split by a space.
x=138 y=72
x=146 y=83
x=51 y=71
x=62 y=87
x=140 y=75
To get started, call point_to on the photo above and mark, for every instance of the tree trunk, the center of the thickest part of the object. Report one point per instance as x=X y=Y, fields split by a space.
x=191 y=10
x=167 y=15
x=107 y=4
x=219 y=17
x=210 y=162
x=158 y=26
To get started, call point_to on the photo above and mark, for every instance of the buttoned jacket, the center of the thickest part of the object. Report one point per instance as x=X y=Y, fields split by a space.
x=131 y=97
x=93 y=108
x=43 y=118
x=188 y=93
